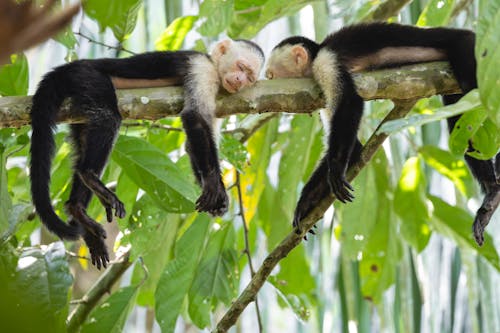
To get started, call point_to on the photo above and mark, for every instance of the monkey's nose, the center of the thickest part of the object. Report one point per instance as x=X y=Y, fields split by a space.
x=269 y=74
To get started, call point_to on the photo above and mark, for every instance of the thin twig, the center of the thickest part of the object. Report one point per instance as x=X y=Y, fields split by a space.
x=91 y=40
x=247 y=244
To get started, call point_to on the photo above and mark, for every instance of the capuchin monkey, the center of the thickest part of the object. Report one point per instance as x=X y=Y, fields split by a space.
x=364 y=47
x=91 y=86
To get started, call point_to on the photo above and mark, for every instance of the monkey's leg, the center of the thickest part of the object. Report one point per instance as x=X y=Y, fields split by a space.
x=317 y=189
x=202 y=151
x=484 y=172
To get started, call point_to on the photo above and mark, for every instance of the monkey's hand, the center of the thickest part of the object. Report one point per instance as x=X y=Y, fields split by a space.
x=213 y=198
x=97 y=248
x=338 y=183
x=483 y=215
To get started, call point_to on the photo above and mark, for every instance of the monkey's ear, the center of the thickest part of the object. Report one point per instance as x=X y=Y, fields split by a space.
x=300 y=55
x=222 y=47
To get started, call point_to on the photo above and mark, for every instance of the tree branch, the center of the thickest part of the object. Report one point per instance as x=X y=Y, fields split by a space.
x=284 y=95
x=97 y=291
x=401 y=108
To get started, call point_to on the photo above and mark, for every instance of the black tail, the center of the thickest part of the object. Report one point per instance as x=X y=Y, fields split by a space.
x=46 y=102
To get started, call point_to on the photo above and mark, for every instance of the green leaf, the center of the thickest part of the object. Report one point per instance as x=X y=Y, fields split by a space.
x=14 y=77
x=456 y=223
x=6 y=202
x=436 y=13
x=172 y=37
x=112 y=314
x=153 y=171
x=42 y=283
x=120 y=16
x=179 y=273
x=469 y=102
x=476 y=129
x=488 y=57
x=296 y=283
x=67 y=38
x=362 y=210
x=300 y=139
x=381 y=246
x=248 y=23
x=449 y=166
x=411 y=204
x=216 y=16
x=217 y=276
x=233 y=151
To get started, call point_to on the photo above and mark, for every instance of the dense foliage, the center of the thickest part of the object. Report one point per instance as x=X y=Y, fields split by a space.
x=406 y=235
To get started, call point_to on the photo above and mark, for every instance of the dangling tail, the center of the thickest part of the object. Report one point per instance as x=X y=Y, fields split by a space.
x=46 y=103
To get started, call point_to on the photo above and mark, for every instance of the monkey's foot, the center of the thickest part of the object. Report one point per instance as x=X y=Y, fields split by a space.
x=484 y=214
x=213 y=199
x=97 y=248
x=79 y=216
x=108 y=199
x=338 y=183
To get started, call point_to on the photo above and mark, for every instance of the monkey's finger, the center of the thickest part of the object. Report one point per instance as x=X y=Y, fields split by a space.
x=312 y=232
x=346 y=184
x=109 y=214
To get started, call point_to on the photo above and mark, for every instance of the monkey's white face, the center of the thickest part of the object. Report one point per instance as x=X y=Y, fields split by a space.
x=288 y=61
x=238 y=65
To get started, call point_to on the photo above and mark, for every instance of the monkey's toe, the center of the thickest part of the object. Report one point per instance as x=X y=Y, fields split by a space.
x=215 y=203
x=98 y=251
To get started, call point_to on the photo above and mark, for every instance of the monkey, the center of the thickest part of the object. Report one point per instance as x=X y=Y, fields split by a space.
x=370 y=46
x=90 y=85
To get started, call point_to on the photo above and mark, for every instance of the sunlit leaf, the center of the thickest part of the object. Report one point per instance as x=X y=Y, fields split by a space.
x=14 y=77
x=456 y=223
x=469 y=102
x=436 y=13
x=411 y=204
x=488 y=57
x=172 y=37
x=233 y=151
x=216 y=16
x=449 y=166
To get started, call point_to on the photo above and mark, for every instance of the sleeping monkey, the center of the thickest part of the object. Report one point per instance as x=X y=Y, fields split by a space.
x=368 y=46
x=91 y=84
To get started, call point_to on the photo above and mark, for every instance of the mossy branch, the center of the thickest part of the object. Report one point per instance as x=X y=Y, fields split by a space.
x=293 y=96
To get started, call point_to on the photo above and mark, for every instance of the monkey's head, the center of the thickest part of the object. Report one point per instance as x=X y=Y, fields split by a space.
x=238 y=63
x=292 y=58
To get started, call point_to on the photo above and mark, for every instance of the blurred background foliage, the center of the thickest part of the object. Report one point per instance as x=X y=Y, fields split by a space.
x=400 y=258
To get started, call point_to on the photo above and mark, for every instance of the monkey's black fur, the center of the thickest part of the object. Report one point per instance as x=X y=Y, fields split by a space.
x=89 y=85
x=343 y=149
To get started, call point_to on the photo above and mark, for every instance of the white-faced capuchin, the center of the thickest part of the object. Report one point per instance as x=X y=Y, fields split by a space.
x=91 y=84
x=363 y=47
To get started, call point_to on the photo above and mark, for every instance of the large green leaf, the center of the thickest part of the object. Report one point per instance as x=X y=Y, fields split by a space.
x=300 y=139
x=436 y=13
x=233 y=151
x=295 y=283
x=179 y=273
x=172 y=37
x=112 y=314
x=488 y=57
x=449 y=166
x=152 y=231
x=217 y=276
x=358 y=217
x=216 y=16
x=153 y=171
x=120 y=16
x=41 y=286
x=476 y=129
x=14 y=77
x=411 y=204
x=381 y=254
x=251 y=16
x=469 y=102
x=456 y=224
